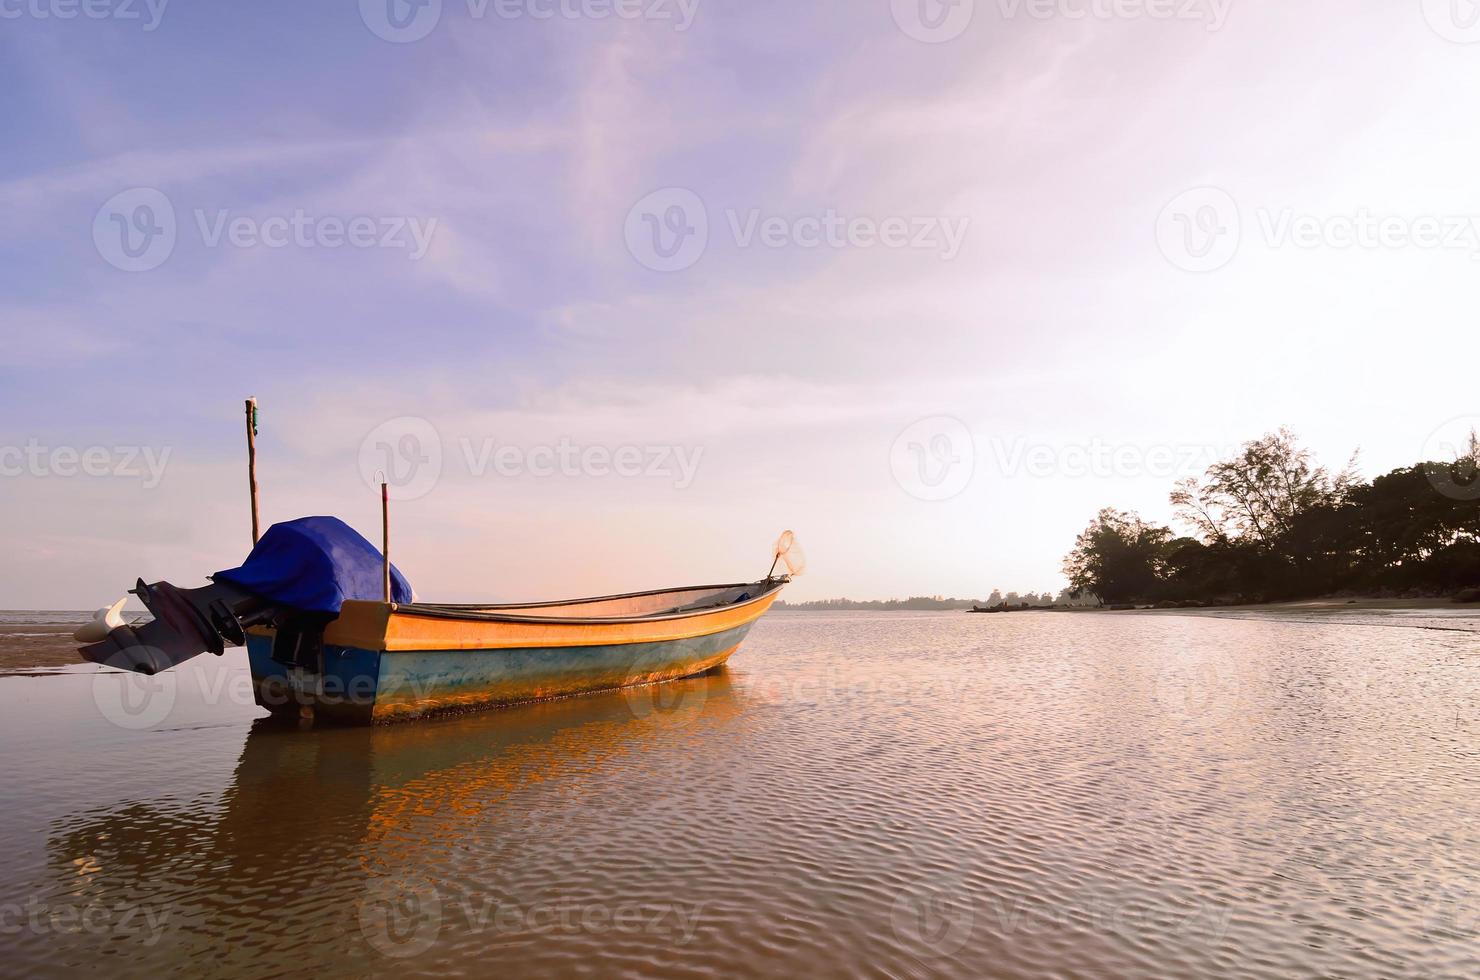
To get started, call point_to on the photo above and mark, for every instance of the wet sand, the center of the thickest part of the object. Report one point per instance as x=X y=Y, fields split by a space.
x=33 y=639
x=1436 y=614
x=29 y=645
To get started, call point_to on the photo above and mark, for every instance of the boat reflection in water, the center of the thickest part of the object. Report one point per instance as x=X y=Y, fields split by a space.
x=336 y=848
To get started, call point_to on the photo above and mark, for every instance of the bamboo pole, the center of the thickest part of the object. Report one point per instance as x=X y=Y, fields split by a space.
x=252 y=467
x=385 y=540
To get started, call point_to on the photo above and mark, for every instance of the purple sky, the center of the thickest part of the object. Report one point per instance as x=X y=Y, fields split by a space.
x=618 y=293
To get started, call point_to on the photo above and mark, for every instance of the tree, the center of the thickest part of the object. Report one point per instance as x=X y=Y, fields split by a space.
x=1403 y=531
x=1257 y=496
x=1118 y=556
x=1272 y=524
x=1458 y=478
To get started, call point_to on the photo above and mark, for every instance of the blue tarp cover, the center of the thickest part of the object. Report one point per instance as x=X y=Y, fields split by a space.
x=315 y=564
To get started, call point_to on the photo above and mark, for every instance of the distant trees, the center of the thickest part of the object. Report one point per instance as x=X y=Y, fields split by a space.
x=1029 y=600
x=1118 y=556
x=884 y=605
x=1259 y=494
x=1403 y=533
x=1460 y=477
x=1271 y=523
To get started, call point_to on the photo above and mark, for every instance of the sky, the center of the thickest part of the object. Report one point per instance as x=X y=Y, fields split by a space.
x=614 y=291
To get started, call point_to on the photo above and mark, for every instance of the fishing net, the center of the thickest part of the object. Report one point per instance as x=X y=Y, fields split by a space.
x=789 y=553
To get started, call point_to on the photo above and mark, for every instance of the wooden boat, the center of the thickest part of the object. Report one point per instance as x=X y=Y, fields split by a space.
x=322 y=646
x=334 y=631
x=384 y=662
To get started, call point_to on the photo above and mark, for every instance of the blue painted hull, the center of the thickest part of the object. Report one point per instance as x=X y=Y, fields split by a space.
x=360 y=686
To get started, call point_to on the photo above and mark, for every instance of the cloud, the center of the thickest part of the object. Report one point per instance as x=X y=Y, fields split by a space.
x=794 y=369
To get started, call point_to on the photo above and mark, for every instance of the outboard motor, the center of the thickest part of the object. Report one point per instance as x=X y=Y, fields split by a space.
x=186 y=624
x=295 y=580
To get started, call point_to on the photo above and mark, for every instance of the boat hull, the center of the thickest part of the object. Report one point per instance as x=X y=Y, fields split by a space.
x=364 y=686
x=383 y=665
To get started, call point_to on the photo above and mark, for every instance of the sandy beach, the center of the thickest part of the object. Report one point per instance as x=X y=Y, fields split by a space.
x=39 y=645
x=1411 y=613
x=31 y=639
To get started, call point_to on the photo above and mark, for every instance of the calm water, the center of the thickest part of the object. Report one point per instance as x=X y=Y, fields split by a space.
x=859 y=794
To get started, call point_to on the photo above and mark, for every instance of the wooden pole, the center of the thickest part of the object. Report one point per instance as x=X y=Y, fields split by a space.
x=385 y=540
x=252 y=467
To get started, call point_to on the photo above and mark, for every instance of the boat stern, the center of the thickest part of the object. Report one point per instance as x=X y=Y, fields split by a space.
x=331 y=675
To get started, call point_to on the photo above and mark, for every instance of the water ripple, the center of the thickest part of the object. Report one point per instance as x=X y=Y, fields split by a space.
x=859 y=794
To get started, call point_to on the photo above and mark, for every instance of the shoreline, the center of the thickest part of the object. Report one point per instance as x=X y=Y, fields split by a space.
x=1365 y=604
x=35 y=646
x=1431 y=614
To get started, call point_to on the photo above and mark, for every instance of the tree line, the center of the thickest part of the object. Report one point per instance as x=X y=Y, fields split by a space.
x=1272 y=524
x=882 y=605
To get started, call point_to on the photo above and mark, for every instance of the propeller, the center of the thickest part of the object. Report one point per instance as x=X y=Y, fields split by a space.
x=104 y=621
